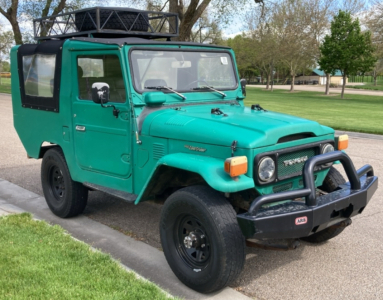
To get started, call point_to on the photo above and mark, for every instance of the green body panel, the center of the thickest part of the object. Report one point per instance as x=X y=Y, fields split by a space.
x=102 y=149
x=209 y=168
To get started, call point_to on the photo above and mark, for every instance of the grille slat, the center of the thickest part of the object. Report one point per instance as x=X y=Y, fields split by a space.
x=295 y=169
x=158 y=150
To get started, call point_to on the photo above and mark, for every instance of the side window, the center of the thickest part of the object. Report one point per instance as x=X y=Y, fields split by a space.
x=39 y=71
x=105 y=68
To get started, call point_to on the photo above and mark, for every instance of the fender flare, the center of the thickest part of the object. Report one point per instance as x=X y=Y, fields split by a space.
x=210 y=168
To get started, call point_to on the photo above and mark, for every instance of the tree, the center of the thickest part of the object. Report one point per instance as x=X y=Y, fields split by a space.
x=346 y=48
x=190 y=11
x=241 y=46
x=262 y=42
x=206 y=31
x=296 y=42
x=374 y=23
x=6 y=39
x=16 y=11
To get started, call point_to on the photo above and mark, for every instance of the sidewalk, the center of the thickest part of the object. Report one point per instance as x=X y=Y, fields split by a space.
x=147 y=261
x=7 y=209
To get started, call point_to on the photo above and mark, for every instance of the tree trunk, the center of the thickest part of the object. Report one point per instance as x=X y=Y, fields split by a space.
x=268 y=82
x=343 y=85
x=328 y=79
x=190 y=17
x=11 y=16
x=16 y=31
x=375 y=77
x=292 y=83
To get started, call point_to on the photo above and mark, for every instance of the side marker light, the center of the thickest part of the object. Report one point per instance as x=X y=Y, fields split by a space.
x=236 y=166
x=342 y=142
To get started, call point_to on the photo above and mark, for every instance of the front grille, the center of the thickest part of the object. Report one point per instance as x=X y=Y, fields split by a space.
x=295 y=169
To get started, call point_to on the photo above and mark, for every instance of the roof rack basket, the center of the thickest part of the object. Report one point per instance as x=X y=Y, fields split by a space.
x=108 y=22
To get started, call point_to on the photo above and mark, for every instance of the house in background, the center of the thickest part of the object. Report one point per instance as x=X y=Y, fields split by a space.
x=319 y=77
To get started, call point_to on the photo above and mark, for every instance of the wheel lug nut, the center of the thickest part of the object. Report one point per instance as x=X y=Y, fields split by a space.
x=202 y=236
x=203 y=246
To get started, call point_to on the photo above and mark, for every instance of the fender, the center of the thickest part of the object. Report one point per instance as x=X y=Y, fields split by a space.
x=210 y=168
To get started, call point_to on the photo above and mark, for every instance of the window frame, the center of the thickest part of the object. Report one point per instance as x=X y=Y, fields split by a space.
x=100 y=55
x=180 y=50
x=38 y=102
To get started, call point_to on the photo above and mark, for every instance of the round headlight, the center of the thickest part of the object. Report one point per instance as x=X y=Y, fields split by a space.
x=327 y=148
x=266 y=168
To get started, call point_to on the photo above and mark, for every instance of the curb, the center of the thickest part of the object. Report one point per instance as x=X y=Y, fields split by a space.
x=147 y=261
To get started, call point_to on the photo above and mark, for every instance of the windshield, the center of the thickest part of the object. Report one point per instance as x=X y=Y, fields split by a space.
x=182 y=70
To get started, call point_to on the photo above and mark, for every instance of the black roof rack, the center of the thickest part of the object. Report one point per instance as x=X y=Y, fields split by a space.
x=107 y=22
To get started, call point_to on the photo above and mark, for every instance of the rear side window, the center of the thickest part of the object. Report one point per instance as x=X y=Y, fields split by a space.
x=39 y=71
x=105 y=68
x=40 y=74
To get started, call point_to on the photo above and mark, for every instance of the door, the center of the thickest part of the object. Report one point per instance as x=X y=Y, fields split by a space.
x=102 y=143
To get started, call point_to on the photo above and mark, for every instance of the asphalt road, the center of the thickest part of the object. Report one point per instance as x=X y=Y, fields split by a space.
x=349 y=266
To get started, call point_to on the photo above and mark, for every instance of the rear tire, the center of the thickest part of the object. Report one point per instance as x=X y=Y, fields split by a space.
x=330 y=184
x=215 y=254
x=65 y=197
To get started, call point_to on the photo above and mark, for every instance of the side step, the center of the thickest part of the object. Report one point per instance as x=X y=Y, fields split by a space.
x=115 y=193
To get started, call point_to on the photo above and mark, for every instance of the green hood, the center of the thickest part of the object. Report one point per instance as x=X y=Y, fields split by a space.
x=250 y=128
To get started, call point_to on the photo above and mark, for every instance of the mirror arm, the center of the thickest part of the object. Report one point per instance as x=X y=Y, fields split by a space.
x=115 y=110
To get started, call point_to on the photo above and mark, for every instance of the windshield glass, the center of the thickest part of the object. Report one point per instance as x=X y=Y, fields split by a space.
x=182 y=70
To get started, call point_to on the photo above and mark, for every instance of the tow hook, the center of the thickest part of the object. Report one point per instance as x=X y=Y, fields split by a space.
x=291 y=245
x=344 y=223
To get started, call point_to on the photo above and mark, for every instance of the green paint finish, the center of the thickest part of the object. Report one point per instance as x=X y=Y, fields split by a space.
x=182 y=134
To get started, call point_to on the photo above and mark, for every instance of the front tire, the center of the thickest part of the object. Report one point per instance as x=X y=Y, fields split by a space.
x=330 y=184
x=201 y=239
x=65 y=197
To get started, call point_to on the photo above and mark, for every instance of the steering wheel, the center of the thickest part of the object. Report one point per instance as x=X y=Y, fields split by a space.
x=196 y=81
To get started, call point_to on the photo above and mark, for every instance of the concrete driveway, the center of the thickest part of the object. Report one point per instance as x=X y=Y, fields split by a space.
x=348 y=267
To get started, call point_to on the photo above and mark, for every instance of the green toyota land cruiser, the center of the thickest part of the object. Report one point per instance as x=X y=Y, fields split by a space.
x=111 y=104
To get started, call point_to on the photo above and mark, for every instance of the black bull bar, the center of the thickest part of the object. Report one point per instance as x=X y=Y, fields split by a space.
x=297 y=219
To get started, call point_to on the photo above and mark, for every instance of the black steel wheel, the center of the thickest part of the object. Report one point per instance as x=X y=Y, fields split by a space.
x=192 y=242
x=330 y=184
x=201 y=238
x=65 y=197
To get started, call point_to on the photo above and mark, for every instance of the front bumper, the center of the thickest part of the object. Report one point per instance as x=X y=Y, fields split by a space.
x=297 y=219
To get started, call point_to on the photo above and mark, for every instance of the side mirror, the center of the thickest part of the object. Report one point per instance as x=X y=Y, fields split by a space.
x=243 y=86
x=100 y=95
x=100 y=92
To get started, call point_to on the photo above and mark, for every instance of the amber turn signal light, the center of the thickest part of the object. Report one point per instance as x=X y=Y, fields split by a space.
x=342 y=142
x=236 y=166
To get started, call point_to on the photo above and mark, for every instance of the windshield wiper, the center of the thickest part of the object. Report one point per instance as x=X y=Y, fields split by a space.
x=165 y=88
x=204 y=87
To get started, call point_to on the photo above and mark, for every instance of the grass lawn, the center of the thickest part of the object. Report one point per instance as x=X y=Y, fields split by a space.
x=353 y=113
x=5 y=85
x=369 y=86
x=39 y=261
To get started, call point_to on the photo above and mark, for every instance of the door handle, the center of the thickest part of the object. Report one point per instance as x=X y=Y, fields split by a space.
x=80 y=128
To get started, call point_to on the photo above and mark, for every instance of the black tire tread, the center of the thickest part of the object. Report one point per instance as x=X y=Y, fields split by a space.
x=225 y=218
x=77 y=192
x=333 y=179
